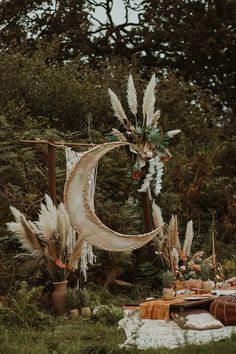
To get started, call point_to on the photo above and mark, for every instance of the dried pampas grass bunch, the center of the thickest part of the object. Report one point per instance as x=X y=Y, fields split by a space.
x=46 y=240
x=168 y=244
x=148 y=142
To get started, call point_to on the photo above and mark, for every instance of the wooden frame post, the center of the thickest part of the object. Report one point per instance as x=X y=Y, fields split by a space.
x=147 y=212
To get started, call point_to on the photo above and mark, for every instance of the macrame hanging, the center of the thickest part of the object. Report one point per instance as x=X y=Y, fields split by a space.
x=87 y=256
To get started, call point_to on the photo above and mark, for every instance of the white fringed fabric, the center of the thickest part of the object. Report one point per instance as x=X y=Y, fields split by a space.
x=87 y=256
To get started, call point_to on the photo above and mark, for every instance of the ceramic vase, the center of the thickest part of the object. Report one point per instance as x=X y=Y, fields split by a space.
x=59 y=297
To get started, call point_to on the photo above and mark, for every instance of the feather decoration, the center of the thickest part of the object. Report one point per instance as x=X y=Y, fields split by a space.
x=77 y=250
x=117 y=108
x=132 y=96
x=188 y=238
x=149 y=101
x=47 y=222
x=173 y=233
x=25 y=231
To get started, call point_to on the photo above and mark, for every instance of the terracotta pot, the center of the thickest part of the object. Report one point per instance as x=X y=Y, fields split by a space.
x=86 y=311
x=168 y=294
x=59 y=297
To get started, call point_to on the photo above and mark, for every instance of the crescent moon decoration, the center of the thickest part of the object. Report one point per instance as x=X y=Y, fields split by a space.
x=82 y=218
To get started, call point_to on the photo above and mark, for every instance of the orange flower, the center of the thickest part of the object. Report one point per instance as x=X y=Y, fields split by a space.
x=183 y=256
x=197 y=267
x=136 y=175
x=165 y=158
x=60 y=264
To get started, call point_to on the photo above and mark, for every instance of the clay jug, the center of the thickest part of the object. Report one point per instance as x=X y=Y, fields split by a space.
x=59 y=297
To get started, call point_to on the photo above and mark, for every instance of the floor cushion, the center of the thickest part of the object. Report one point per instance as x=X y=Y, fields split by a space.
x=224 y=309
x=196 y=320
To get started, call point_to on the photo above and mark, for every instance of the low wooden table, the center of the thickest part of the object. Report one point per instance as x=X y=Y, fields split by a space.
x=203 y=303
x=185 y=304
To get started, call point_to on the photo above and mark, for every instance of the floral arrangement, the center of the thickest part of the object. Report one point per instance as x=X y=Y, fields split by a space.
x=47 y=242
x=147 y=140
x=179 y=260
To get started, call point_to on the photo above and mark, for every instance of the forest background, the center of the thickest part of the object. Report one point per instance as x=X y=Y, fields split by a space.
x=57 y=60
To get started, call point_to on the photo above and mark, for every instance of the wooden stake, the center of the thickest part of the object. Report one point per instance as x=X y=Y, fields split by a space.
x=213 y=230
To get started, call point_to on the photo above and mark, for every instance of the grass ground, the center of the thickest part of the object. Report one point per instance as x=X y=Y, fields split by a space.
x=81 y=336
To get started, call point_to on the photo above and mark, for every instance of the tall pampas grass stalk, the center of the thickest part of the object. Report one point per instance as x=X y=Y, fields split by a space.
x=173 y=233
x=47 y=223
x=188 y=238
x=174 y=258
x=149 y=101
x=155 y=118
x=25 y=231
x=159 y=223
x=132 y=97
x=157 y=216
x=64 y=227
x=118 y=109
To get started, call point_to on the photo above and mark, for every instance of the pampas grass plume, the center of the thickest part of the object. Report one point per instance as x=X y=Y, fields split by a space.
x=47 y=222
x=188 y=238
x=132 y=96
x=155 y=118
x=117 y=107
x=77 y=250
x=149 y=100
x=24 y=230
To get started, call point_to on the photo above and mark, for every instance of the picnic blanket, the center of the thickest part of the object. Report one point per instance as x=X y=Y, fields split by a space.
x=157 y=309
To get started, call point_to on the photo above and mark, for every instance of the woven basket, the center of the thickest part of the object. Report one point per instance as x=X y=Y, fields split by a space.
x=224 y=309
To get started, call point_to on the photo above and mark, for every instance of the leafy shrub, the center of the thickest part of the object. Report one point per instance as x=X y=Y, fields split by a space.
x=102 y=349
x=75 y=298
x=23 y=308
x=229 y=267
x=108 y=315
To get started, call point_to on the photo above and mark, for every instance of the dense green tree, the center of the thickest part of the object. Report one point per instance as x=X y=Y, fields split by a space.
x=58 y=59
x=194 y=37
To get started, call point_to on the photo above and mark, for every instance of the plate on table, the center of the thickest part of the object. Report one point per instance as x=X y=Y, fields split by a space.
x=192 y=298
